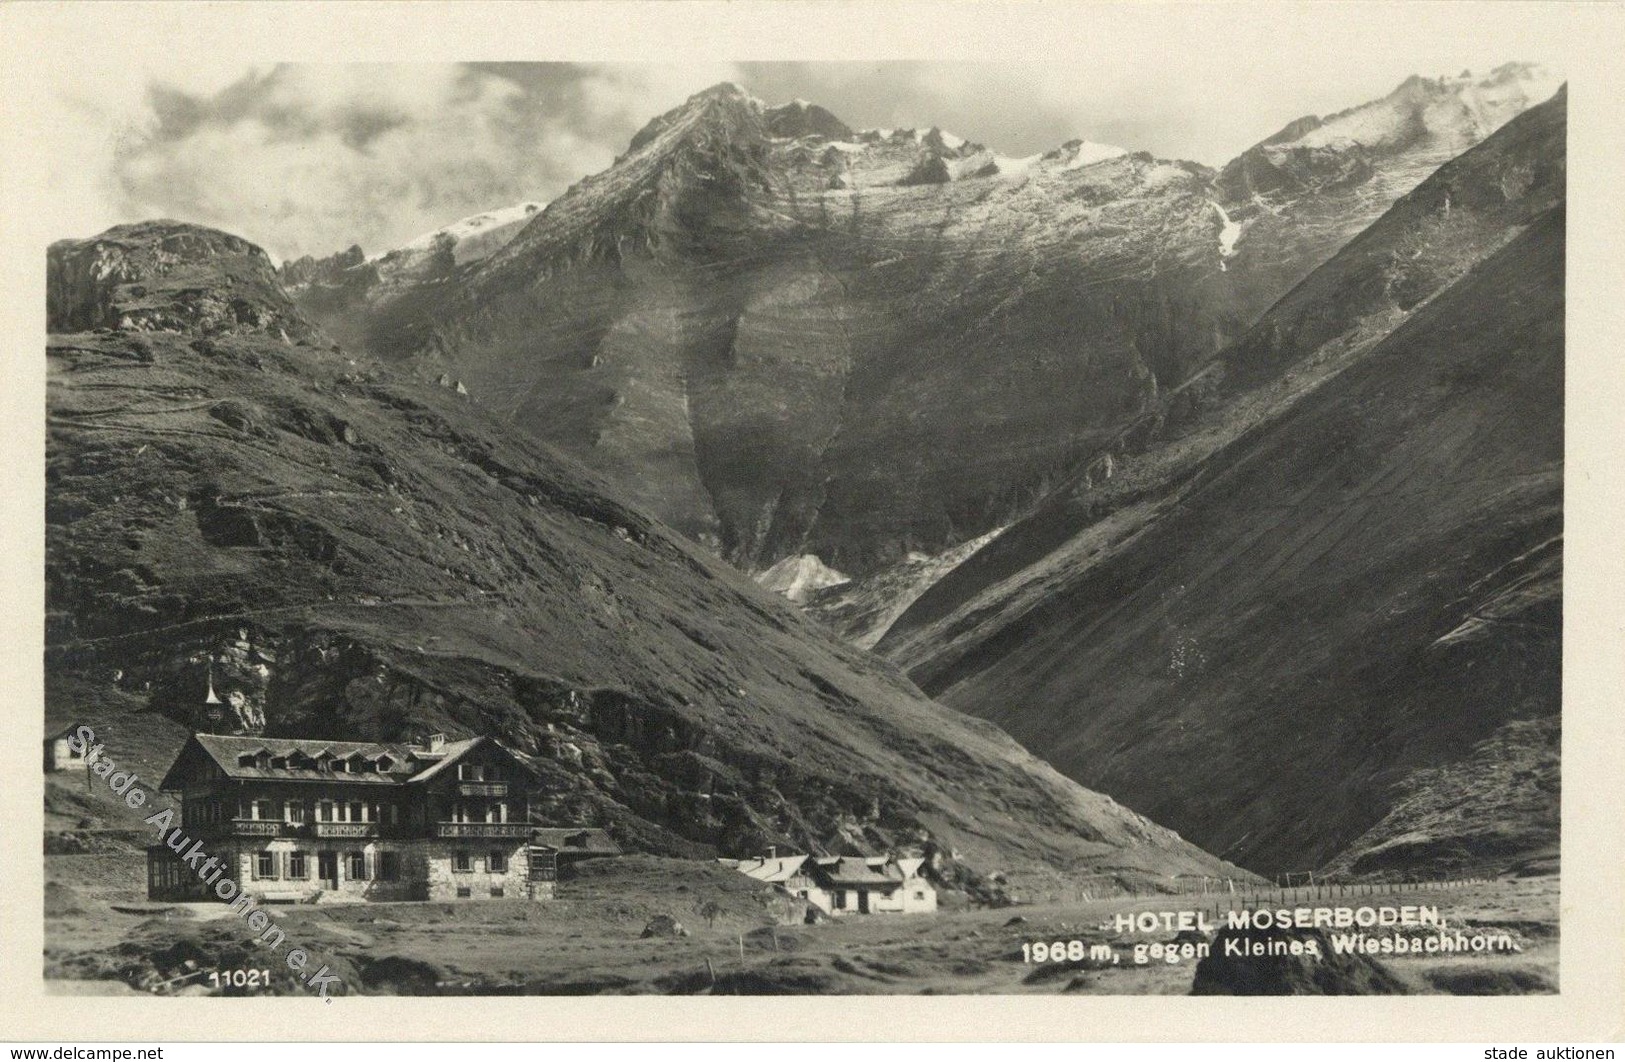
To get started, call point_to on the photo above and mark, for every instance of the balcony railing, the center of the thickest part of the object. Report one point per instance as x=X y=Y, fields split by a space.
x=346 y=829
x=250 y=828
x=482 y=789
x=482 y=829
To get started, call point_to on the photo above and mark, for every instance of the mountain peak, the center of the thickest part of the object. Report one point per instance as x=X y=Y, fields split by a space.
x=724 y=89
x=725 y=101
x=799 y=118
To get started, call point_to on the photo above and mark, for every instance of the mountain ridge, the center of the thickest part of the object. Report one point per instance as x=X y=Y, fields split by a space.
x=782 y=344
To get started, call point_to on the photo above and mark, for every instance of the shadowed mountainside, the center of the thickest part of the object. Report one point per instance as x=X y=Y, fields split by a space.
x=1324 y=575
x=346 y=552
x=784 y=337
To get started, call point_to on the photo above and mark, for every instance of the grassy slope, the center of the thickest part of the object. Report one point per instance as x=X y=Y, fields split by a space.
x=407 y=563
x=1335 y=319
x=1363 y=588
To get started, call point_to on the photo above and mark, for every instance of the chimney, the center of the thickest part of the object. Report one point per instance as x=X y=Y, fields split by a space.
x=436 y=742
x=772 y=851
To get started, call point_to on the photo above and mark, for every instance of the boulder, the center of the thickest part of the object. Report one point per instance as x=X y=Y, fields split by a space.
x=664 y=926
x=1315 y=972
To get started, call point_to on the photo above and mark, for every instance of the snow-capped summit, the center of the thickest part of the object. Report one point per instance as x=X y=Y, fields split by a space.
x=476 y=236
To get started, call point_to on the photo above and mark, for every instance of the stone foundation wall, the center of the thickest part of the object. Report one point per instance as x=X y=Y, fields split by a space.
x=446 y=883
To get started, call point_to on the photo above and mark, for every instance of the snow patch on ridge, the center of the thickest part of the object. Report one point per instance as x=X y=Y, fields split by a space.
x=1229 y=233
x=472 y=226
x=1010 y=167
x=798 y=577
x=1089 y=153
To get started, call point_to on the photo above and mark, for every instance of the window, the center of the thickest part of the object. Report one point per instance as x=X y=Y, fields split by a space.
x=462 y=861
x=324 y=811
x=356 y=814
x=471 y=772
x=497 y=892
x=296 y=811
x=296 y=866
x=840 y=899
x=279 y=763
x=919 y=895
x=389 y=866
x=499 y=862
x=264 y=809
x=265 y=864
x=464 y=892
x=357 y=868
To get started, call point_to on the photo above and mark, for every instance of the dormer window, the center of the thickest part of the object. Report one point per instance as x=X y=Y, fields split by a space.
x=279 y=763
x=245 y=760
x=385 y=764
x=341 y=766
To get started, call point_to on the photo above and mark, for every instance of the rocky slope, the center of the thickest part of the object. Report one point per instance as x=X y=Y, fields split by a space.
x=784 y=337
x=1324 y=573
x=344 y=551
x=1300 y=195
x=348 y=292
x=798 y=578
x=863 y=610
x=166 y=275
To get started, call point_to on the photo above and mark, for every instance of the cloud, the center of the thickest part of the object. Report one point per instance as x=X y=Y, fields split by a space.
x=307 y=159
x=310 y=158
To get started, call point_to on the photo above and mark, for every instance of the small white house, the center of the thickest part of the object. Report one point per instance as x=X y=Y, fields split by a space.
x=875 y=885
x=842 y=885
x=60 y=754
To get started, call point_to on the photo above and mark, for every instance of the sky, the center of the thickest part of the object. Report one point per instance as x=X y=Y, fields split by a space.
x=309 y=158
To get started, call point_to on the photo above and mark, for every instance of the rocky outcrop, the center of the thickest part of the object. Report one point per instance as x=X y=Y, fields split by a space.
x=167 y=276
x=1289 y=962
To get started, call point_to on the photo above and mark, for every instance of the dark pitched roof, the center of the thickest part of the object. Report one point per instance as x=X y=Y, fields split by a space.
x=450 y=753
x=857 y=870
x=226 y=749
x=407 y=763
x=573 y=839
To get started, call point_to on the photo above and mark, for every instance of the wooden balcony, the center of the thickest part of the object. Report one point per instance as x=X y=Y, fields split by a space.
x=482 y=789
x=514 y=830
